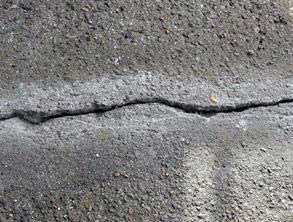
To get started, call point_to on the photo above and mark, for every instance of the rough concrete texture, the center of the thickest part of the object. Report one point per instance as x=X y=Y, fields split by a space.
x=73 y=40
x=146 y=110
x=150 y=163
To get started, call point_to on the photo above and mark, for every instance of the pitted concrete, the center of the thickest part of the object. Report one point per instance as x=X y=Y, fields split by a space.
x=146 y=111
x=150 y=162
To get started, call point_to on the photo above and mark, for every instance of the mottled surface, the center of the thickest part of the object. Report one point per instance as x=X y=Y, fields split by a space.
x=149 y=163
x=123 y=86
x=73 y=40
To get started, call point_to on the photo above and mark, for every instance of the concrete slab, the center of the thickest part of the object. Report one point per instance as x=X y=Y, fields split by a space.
x=73 y=40
x=150 y=163
x=146 y=110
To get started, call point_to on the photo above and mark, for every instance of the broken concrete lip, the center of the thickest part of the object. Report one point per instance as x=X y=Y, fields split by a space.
x=36 y=117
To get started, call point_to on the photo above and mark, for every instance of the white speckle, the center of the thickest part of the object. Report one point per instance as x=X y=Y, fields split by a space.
x=116 y=62
x=291 y=11
x=182 y=139
x=97 y=155
x=242 y=125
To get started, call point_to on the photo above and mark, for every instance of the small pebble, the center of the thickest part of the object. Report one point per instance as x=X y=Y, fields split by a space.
x=117 y=174
x=130 y=211
x=213 y=99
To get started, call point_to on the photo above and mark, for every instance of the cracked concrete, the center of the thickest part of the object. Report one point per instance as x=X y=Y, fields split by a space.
x=180 y=166
x=146 y=111
x=189 y=94
x=36 y=117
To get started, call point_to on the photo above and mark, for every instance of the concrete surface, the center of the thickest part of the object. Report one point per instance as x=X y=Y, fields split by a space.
x=146 y=110
x=150 y=163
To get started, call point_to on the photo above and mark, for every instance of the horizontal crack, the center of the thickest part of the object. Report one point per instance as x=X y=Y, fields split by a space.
x=35 y=117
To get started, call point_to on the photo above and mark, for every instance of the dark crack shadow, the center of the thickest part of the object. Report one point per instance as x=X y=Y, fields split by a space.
x=37 y=117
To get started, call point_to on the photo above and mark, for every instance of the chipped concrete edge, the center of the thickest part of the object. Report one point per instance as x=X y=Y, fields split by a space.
x=37 y=102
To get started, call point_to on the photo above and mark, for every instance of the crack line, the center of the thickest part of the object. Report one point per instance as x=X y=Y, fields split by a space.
x=35 y=117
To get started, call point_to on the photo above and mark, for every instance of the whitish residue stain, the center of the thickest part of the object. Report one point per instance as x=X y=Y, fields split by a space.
x=242 y=125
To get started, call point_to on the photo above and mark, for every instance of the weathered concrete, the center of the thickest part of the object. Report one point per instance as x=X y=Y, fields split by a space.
x=73 y=40
x=146 y=111
x=187 y=93
x=150 y=163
